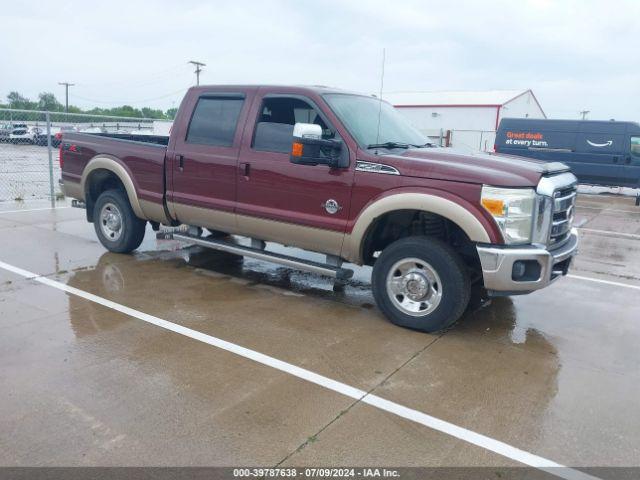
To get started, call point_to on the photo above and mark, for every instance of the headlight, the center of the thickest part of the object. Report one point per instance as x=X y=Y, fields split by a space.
x=512 y=209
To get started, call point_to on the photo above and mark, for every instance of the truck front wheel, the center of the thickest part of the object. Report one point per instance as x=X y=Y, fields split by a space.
x=421 y=283
x=117 y=227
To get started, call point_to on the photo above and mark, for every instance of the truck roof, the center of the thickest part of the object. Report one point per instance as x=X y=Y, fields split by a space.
x=302 y=88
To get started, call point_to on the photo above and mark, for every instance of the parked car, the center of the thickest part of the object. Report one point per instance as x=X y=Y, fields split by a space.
x=598 y=152
x=57 y=138
x=21 y=133
x=337 y=173
x=40 y=135
x=5 y=131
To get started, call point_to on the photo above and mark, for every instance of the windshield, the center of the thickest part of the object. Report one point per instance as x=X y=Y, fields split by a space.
x=360 y=116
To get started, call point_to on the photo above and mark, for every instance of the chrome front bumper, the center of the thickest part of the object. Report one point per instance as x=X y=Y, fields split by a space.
x=498 y=271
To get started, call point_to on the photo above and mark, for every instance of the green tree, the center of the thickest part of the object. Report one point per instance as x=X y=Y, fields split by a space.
x=171 y=113
x=19 y=101
x=47 y=101
x=97 y=111
x=152 y=113
x=125 y=111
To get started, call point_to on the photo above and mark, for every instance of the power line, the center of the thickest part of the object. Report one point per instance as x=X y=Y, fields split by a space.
x=131 y=102
x=152 y=77
x=198 y=69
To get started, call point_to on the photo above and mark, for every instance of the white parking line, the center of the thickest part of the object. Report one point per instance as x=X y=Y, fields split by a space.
x=416 y=416
x=32 y=210
x=606 y=282
x=610 y=232
x=637 y=212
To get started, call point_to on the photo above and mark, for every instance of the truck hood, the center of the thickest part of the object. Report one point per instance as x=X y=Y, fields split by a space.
x=477 y=167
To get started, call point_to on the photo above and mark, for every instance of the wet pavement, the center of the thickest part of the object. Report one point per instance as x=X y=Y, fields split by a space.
x=555 y=373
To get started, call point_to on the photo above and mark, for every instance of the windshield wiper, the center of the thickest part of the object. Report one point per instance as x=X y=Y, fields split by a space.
x=389 y=145
x=428 y=144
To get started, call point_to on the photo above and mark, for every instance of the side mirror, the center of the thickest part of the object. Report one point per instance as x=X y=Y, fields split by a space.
x=308 y=147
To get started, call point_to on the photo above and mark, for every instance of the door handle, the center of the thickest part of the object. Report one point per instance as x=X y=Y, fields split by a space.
x=615 y=159
x=180 y=159
x=246 y=169
x=627 y=160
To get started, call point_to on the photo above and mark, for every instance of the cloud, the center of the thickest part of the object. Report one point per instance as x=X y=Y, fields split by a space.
x=574 y=54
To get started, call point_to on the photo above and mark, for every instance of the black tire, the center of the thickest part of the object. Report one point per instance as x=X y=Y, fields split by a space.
x=450 y=297
x=131 y=232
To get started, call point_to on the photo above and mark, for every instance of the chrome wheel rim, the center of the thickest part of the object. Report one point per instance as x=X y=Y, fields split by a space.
x=111 y=222
x=414 y=287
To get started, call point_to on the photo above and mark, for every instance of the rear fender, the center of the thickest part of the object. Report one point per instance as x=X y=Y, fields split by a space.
x=107 y=162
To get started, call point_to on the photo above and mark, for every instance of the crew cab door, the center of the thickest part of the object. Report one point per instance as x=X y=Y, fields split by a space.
x=300 y=205
x=202 y=168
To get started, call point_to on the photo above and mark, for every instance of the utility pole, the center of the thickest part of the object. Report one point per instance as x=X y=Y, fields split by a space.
x=66 y=94
x=584 y=113
x=198 y=69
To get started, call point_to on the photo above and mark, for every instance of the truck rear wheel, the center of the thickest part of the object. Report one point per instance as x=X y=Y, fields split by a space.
x=117 y=227
x=421 y=283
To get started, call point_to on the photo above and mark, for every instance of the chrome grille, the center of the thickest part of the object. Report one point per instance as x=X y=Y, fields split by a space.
x=564 y=201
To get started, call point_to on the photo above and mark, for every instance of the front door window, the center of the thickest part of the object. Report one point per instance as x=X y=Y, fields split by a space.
x=278 y=115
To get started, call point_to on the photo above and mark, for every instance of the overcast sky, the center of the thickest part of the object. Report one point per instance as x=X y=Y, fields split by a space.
x=575 y=55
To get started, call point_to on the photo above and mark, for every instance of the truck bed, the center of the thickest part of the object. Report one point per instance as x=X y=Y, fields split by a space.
x=133 y=137
x=143 y=156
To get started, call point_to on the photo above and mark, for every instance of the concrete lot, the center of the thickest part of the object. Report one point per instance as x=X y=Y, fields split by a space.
x=554 y=373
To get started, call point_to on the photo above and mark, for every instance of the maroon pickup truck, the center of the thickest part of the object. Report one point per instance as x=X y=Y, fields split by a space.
x=341 y=174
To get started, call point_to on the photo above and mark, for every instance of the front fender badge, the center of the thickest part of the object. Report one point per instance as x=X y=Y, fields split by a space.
x=332 y=206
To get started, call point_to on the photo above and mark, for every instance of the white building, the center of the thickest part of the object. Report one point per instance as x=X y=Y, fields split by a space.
x=465 y=119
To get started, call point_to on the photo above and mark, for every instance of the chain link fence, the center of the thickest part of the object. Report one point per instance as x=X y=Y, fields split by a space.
x=29 y=153
x=480 y=140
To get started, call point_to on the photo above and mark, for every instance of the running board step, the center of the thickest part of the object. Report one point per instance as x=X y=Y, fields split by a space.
x=294 y=262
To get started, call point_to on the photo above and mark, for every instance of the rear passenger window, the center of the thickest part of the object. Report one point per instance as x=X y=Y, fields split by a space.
x=214 y=121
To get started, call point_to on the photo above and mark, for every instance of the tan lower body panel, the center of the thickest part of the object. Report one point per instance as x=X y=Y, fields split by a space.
x=350 y=254
x=73 y=190
x=153 y=211
x=308 y=238
x=204 y=217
